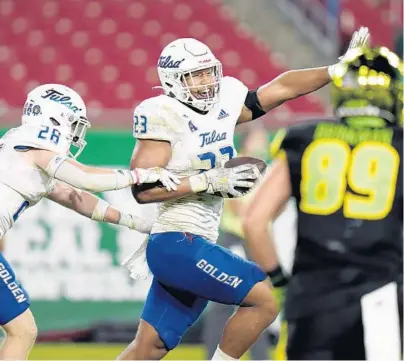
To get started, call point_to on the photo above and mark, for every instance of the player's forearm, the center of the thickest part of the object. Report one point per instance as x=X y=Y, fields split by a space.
x=160 y=194
x=292 y=84
x=101 y=211
x=104 y=212
x=81 y=176
x=305 y=81
x=260 y=244
x=83 y=203
x=87 y=178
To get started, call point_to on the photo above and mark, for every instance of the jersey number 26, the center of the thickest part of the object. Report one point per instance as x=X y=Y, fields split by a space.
x=370 y=169
x=49 y=133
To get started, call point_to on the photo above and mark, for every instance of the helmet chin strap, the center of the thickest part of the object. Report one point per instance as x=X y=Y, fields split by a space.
x=199 y=111
x=200 y=105
x=203 y=104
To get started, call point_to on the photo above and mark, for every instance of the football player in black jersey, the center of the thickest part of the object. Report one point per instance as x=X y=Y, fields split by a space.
x=344 y=298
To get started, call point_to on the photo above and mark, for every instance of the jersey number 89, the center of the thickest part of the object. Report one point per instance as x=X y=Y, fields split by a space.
x=370 y=170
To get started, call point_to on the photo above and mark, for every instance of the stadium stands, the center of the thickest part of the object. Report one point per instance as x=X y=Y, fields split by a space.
x=107 y=50
x=383 y=17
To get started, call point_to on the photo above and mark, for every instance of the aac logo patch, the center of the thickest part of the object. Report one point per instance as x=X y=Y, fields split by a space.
x=31 y=109
x=192 y=127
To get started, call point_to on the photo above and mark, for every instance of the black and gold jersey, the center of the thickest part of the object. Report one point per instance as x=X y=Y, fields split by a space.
x=348 y=187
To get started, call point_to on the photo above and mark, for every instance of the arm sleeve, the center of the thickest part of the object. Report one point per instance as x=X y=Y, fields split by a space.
x=67 y=172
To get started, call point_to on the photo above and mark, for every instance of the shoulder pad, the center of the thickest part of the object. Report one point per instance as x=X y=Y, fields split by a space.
x=233 y=94
x=232 y=86
x=39 y=137
x=229 y=81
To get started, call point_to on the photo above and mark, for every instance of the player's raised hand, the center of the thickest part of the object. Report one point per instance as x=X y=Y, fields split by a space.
x=359 y=40
x=225 y=180
x=156 y=174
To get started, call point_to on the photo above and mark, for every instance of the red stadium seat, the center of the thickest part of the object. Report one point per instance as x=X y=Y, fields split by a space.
x=382 y=19
x=108 y=50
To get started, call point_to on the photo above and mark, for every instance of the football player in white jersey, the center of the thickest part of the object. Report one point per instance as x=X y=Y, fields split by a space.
x=189 y=131
x=36 y=161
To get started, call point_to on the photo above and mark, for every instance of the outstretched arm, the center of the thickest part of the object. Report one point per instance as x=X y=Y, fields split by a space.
x=95 y=179
x=295 y=83
x=285 y=87
x=95 y=208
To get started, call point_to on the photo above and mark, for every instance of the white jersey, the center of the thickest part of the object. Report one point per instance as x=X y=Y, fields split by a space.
x=199 y=142
x=22 y=185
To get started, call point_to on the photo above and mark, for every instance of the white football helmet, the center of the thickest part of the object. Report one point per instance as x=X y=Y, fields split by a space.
x=62 y=108
x=181 y=58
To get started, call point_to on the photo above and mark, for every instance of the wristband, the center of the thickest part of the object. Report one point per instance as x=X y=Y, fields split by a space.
x=99 y=210
x=198 y=183
x=277 y=277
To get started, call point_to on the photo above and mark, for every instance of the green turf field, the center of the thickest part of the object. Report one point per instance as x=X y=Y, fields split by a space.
x=105 y=352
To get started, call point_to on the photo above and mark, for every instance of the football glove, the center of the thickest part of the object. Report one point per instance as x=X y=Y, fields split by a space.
x=359 y=40
x=142 y=225
x=153 y=175
x=225 y=180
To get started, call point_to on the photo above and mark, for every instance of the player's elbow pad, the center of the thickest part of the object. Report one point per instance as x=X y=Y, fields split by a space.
x=92 y=182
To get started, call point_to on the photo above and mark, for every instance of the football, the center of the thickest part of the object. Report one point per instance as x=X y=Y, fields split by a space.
x=261 y=165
